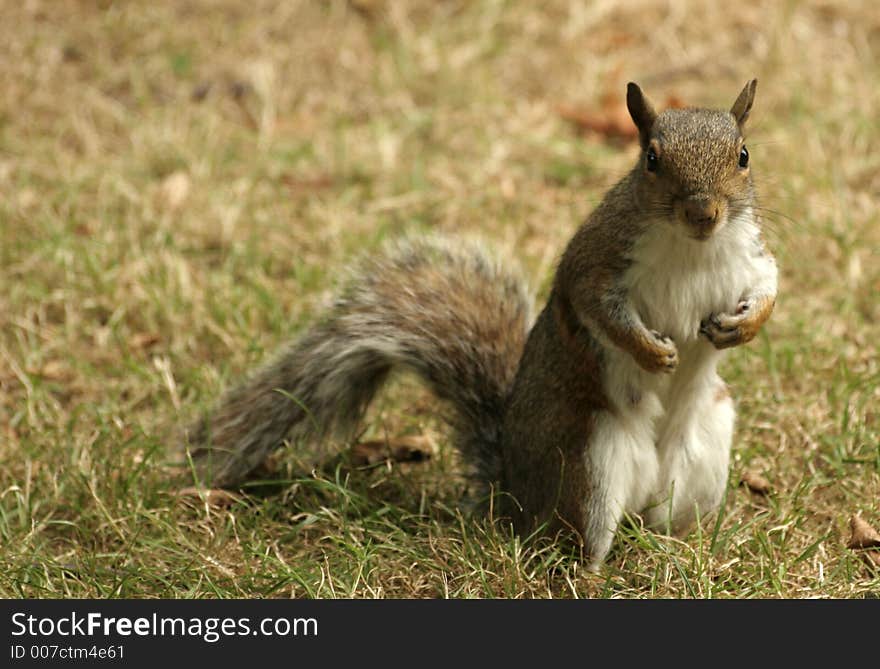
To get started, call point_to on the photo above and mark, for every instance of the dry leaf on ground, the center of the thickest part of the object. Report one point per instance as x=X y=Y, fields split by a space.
x=863 y=535
x=755 y=482
x=308 y=185
x=143 y=340
x=53 y=370
x=611 y=120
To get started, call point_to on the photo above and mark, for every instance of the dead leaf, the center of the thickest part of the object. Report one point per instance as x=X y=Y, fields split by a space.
x=611 y=120
x=144 y=340
x=369 y=9
x=215 y=497
x=414 y=448
x=755 y=482
x=299 y=185
x=53 y=370
x=84 y=229
x=863 y=535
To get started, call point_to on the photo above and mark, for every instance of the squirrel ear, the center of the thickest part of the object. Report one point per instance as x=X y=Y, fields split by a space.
x=743 y=104
x=642 y=112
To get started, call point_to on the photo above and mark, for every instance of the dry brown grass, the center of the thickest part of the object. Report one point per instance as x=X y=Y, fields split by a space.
x=179 y=181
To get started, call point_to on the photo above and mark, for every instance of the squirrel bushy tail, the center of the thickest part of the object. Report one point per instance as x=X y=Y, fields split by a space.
x=449 y=312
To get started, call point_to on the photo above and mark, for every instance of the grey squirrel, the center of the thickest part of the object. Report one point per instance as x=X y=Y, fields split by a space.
x=608 y=404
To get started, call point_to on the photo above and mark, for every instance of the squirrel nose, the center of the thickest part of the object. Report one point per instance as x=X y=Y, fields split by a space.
x=700 y=213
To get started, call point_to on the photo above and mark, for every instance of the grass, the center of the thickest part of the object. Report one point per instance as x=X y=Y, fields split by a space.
x=180 y=183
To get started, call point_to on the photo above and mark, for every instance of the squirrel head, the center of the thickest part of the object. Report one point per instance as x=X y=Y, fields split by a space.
x=694 y=168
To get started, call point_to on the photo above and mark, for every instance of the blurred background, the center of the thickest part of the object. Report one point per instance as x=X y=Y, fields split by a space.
x=182 y=183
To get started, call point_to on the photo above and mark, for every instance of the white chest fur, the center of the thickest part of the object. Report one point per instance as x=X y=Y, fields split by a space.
x=675 y=281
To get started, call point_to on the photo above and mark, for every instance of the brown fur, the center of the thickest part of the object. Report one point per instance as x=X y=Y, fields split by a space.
x=592 y=264
x=547 y=423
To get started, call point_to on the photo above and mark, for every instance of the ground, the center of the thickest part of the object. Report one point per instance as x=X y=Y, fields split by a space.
x=183 y=183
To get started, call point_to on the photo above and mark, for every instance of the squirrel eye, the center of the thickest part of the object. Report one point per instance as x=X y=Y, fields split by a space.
x=744 y=157
x=652 y=162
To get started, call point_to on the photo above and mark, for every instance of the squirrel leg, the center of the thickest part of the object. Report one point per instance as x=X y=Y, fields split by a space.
x=694 y=448
x=613 y=317
x=624 y=468
x=754 y=307
x=726 y=330
x=653 y=351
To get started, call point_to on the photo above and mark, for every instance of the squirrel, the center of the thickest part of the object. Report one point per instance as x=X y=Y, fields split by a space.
x=607 y=404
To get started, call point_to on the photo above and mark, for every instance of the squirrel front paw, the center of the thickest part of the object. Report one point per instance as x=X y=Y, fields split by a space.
x=726 y=330
x=659 y=354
